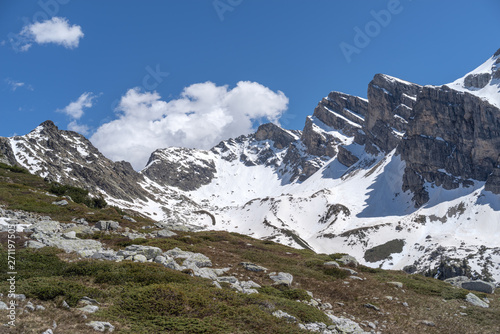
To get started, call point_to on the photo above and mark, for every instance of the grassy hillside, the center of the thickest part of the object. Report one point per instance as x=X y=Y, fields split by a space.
x=149 y=298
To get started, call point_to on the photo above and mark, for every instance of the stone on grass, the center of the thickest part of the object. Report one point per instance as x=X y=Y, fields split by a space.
x=101 y=326
x=476 y=301
x=396 y=284
x=61 y=203
x=252 y=267
x=198 y=260
x=368 y=305
x=286 y=316
x=281 y=278
x=348 y=260
x=331 y=264
x=140 y=258
x=89 y=308
x=479 y=285
x=427 y=323
x=344 y=325
x=107 y=225
x=165 y=233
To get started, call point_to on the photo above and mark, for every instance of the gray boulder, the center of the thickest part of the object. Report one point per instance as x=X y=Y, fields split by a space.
x=281 y=278
x=61 y=203
x=107 y=225
x=348 y=260
x=476 y=301
x=89 y=308
x=479 y=285
x=286 y=316
x=101 y=326
x=252 y=267
x=198 y=260
x=149 y=252
x=331 y=264
x=165 y=233
x=46 y=226
x=344 y=325
x=457 y=281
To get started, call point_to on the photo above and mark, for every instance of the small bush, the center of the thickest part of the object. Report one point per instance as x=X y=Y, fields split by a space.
x=49 y=288
x=336 y=272
x=78 y=195
x=14 y=169
x=285 y=292
x=154 y=300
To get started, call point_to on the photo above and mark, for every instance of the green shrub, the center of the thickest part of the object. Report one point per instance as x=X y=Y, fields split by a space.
x=285 y=292
x=14 y=169
x=78 y=195
x=49 y=288
x=140 y=273
x=154 y=300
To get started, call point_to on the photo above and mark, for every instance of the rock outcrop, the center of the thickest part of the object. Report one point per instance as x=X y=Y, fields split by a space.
x=453 y=137
x=68 y=157
x=186 y=169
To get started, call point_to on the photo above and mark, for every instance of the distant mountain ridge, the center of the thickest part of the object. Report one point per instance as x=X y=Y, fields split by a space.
x=411 y=174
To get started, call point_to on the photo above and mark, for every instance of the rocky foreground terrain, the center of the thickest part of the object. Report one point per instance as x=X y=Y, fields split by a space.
x=86 y=269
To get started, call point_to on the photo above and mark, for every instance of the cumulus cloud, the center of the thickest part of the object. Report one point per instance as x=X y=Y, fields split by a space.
x=80 y=128
x=56 y=30
x=75 y=108
x=201 y=117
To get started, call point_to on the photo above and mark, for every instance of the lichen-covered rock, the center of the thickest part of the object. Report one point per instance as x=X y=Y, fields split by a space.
x=344 y=325
x=252 y=267
x=348 y=260
x=107 y=225
x=281 y=278
x=101 y=326
x=149 y=252
x=476 y=301
x=198 y=260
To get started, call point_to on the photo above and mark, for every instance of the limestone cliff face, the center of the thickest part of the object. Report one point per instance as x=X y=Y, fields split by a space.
x=452 y=138
x=390 y=108
x=339 y=111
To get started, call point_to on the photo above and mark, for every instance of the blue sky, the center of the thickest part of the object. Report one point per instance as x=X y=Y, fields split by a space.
x=253 y=60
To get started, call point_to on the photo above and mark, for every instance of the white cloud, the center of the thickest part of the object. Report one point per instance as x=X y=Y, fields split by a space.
x=56 y=30
x=17 y=84
x=204 y=115
x=80 y=128
x=14 y=84
x=75 y=109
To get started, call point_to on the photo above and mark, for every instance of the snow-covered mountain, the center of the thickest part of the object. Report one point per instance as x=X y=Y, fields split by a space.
x=408 y=178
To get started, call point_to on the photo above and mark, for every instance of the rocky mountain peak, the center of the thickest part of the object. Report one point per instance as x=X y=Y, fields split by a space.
x=68 y=157
x=281 y=138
